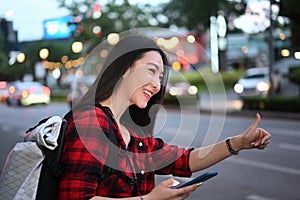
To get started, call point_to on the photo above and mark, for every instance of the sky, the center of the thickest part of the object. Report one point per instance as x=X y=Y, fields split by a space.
x=28 y=15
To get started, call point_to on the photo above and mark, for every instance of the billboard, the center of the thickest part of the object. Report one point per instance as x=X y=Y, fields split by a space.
x=58 y=28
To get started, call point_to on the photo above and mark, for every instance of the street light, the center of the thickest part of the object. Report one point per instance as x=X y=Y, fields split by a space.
x=44 y=53
x=113 y=38
x=21 y=57
x=77 y=47
x=39 y=71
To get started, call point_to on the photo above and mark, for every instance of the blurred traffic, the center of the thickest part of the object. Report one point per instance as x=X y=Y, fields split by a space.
x=251 y=46
x=3 y=91
x=27 y=93
x=256 y=82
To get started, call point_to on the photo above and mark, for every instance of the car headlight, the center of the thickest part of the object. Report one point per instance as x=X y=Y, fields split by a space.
x=262 y=86
x=175 y=91
x=238 y=88
x=192 y=90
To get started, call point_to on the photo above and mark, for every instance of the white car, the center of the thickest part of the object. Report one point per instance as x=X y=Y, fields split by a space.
x=256 y=82
x=28 y=93
x=179 y=86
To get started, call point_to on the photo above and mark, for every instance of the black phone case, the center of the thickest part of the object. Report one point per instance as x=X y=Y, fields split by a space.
x=199 y=179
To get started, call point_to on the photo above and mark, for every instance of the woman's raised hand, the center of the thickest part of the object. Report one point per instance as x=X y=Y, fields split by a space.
x=254 y=137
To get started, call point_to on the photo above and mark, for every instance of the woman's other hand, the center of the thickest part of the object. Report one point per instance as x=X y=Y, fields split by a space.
x=163 y=191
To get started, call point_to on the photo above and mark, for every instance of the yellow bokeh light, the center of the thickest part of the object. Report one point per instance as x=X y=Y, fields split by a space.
x=285 y=53
x=21 y=57
x=190 y=39
x=44 y=53
x=113 y=38
x=77 y=47
x=64 y=59
x=297 y=55
x=176 y=65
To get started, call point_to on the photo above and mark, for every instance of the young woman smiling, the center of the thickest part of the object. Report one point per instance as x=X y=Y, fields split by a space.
x=109 y=151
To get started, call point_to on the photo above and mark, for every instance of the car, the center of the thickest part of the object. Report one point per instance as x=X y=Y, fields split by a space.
x=181 y=89
x=28 y=93
x=256 y=82
x=3 y=91
x=179 y=86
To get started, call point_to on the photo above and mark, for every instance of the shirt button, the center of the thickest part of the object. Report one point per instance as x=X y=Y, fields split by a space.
x=140 y=144
x=142 y=172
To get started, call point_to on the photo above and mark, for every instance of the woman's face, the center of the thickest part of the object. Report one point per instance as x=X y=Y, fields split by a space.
x=143 y=79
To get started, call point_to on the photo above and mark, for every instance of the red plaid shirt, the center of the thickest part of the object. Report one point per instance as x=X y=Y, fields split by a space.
x=86 y=150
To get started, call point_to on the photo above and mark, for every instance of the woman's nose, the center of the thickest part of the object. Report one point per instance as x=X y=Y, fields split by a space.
x=155 y=85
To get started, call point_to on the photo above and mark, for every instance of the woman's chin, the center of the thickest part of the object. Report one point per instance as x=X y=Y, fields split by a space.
x=142 y=105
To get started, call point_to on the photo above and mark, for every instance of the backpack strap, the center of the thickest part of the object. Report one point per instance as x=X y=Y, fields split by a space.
x=51 y=169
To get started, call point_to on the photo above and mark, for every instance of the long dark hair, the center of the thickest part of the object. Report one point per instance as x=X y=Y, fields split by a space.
x=121 y=57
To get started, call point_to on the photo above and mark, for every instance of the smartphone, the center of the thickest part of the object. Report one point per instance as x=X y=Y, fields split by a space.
x=199 y=179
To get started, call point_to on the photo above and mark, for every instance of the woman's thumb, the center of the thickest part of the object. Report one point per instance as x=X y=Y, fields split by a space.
x=256 y=121
x=170 y=182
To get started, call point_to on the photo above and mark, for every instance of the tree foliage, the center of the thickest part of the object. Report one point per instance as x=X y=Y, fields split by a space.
x=291 y=9
x=8 y=72
x=115 y=17
x=195 y=14
x=294 y=76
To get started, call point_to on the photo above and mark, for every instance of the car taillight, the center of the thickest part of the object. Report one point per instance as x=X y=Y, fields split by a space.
x=25 y=94
x=3 y=84
x=46 y=91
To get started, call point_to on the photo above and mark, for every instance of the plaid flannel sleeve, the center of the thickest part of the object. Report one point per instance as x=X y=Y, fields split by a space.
x=170 y=159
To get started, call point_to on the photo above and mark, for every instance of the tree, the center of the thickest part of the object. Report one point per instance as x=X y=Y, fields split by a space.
x=8 y=72
x=116 y=16
x=291 y=9
x=294 y=76
x=195 y=14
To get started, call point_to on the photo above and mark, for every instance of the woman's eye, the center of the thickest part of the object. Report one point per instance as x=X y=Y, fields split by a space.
x=152 y=70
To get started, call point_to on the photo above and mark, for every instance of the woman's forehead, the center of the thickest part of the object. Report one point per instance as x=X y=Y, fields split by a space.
x=152 y=58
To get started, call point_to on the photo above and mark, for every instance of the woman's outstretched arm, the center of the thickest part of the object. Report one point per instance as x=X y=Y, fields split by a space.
x=252 y=137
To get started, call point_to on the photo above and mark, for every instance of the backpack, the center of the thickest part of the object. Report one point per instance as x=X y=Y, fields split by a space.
x=32 y=168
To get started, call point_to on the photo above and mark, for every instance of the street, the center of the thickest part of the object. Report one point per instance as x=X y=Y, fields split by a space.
x=272 y=174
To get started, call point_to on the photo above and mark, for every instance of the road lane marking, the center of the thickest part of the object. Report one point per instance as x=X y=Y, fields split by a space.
x=257 y=197
x=5 y=129
x=284 y=132
x=288 y=146
x=265 y=165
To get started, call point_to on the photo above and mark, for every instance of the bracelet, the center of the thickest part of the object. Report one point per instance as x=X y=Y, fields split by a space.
x=229 y=147
x=142 y=197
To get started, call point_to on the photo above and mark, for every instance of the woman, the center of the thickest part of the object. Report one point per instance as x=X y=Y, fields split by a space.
x=109 y=152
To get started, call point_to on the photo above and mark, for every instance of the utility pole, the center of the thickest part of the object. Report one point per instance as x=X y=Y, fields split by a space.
x=271 y=49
